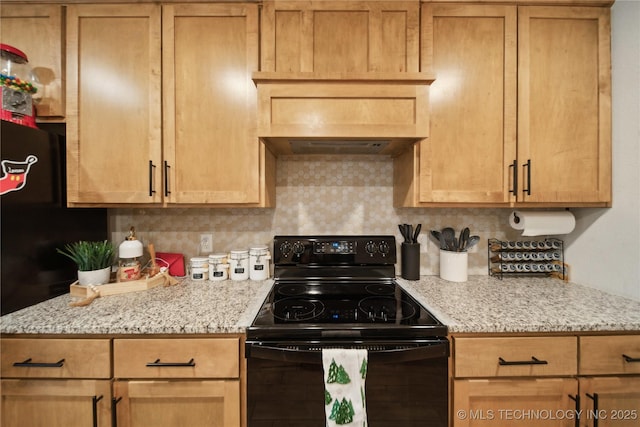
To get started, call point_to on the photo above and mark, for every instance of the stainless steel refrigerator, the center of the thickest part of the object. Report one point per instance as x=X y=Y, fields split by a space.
x=34 y=217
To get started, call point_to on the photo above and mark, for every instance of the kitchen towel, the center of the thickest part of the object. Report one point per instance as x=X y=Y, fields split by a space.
x=542 y=223
x=345 y=372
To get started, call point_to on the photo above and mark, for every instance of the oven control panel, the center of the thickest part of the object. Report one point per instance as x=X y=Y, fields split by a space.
x=334 y=250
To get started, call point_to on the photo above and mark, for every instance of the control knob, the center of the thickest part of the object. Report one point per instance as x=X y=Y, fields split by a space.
x=371 y=248
x=383 y=247
x=285 y=248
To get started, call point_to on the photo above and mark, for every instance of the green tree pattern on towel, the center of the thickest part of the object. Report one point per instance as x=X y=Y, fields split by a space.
x=342 y=412
x=327 y=397
x=363 y=369
x=337 y=374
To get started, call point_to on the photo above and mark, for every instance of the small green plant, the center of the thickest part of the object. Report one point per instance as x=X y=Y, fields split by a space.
x=89 y=256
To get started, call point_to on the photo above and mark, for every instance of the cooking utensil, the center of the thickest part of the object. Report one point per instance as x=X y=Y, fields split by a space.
x=473 y=240
x=464 y=239
x=416 y=233
x=435 y=234
x=449 y=236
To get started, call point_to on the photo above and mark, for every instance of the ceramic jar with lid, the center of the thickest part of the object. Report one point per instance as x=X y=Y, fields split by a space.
x=239 y=265
x=218 y=267
x=259 y=263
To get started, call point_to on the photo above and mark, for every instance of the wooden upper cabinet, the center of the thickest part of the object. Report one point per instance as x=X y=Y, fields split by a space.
x=471 y=50
x=564 y=105
x=113 y=104
x=210 y=105
x=340 y=37
x=36 y=29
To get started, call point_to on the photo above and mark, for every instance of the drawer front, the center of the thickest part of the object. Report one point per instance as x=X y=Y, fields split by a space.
x=56 y=358
x=176 y=358
x=619 y=354
x=515 y=357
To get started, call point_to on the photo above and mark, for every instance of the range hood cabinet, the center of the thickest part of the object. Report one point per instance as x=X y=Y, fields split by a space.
x=367 y=113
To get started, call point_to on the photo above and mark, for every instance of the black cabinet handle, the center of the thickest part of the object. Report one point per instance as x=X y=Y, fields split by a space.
x=158 y=363
x=151 y=186
x=114 y=411
x=630 y=359
x=95 y=401
x=527 y=190
x=594 y=397
x=29 y=364
x=514 y=165
x=166 y=178
x=576 y=399
x=533 y=361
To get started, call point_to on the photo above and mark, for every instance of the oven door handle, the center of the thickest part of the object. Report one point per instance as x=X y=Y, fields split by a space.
x=377 y=352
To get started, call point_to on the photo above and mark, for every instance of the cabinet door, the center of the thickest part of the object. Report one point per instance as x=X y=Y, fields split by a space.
x=211 y=148
x=564 y=105
x=526 y=402
x=472 y=52
x=36 y=29
x=56 y=403
x=177 y=403
x=113 y=104
x=614 y=401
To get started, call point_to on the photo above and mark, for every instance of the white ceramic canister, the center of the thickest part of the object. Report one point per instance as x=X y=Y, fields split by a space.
x=259 y=263
x=199 y=268
x=239 y=265
x=218 y=267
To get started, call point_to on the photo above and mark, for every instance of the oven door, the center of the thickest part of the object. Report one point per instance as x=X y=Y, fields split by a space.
x=406 y=383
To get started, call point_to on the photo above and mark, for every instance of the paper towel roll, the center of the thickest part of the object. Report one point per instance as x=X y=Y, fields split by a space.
x=542 y=223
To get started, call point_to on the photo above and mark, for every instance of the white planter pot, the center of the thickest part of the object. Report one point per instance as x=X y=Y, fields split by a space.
x=94 y=277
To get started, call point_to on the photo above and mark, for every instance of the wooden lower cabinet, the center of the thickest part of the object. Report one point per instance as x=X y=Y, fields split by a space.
x=523 y=402
x=611 y=401
x=56 y=403
x=177 y=403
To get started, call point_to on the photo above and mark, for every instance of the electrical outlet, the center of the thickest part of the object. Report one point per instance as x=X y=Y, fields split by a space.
x=206 y=243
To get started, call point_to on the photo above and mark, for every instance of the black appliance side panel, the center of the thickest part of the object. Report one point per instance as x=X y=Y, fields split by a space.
x=35 y=220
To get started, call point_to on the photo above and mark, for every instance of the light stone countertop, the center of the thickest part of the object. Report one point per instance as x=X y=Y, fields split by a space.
x=482 y=305
x=190 y=307
x=487 y=304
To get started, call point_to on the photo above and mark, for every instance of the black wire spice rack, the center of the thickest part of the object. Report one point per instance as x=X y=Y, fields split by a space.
x=527 y=258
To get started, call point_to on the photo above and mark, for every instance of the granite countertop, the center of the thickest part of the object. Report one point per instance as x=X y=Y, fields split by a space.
x=190 y=307
x=482 y=305
x=487 y=304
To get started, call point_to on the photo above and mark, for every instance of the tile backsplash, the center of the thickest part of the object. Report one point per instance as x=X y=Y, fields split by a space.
x=314 y=195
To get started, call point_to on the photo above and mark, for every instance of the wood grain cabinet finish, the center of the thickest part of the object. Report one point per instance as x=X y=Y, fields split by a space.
x=516 y=357
x=56 y=358
x=114 y=124
x=56 y=382
x=564 y=105
x=210 y=105
x=176 y=358
x=471 y=50
x=340 y=37
x=501 y=402
x=162 y=108
x=610 y=379
x=521 y=105
x=36 y=29
x=169 y=382
x=610 y=355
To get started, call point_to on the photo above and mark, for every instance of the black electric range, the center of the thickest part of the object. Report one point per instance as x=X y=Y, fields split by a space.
x=339 y=287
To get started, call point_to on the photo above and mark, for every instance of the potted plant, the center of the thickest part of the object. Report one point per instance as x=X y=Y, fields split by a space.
x=94 y=260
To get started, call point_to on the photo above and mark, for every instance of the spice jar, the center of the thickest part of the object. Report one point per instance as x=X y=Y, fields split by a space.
x=129 y=253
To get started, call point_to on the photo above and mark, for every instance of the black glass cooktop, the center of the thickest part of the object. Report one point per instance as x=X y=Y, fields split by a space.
x=354 y=308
